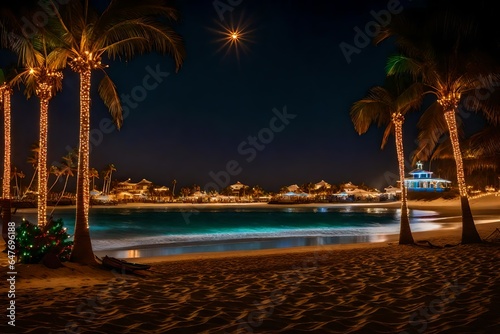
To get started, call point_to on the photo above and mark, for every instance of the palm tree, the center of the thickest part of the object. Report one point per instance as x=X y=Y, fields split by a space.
x=450 y=52
x=42 y=77
x=387 y=106
x=93 y=173
x=174 y=182
x=5 y=93
x=68 y=166
x=124 y=29
x=58 y=173
x=16 y=175
x=33 y=160
x=109 y=173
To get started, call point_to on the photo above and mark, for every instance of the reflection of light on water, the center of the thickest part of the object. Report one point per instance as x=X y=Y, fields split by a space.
x=132 y=253
x=322 y=210
x=420 y=213
x=376 y=210
x=425 y=227
x=377 y=238
x=486 y=221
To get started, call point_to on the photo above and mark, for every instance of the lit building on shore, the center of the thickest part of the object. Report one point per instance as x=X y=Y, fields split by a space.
x=422 y=180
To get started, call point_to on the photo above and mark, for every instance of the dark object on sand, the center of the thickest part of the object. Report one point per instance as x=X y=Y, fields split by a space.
x=123 y=265
x=494 y=236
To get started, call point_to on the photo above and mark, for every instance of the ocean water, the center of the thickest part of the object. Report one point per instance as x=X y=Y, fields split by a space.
x=155 y=231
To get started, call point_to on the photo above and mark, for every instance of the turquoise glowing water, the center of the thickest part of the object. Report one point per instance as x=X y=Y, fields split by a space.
x=154 y=231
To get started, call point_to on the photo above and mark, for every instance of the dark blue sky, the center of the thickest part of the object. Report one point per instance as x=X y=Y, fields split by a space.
x=190 y=125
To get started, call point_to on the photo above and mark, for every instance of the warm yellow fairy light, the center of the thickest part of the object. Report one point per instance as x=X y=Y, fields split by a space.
x=42 y=160
x=449 y=102
x=452 y=126
x=83 y=64
x=46 y=81
x=397 y=120
x=83 y=161
x=5 y=92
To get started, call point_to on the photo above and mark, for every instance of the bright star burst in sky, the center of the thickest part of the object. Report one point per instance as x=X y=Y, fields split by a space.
x=233 y=38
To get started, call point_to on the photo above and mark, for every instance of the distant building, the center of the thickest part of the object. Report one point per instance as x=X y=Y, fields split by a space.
x=130 y=190
x=293 y=188
x=236 y=188
x=392 y=192
x=349 y=186
x=322 y=184
x=422 y=180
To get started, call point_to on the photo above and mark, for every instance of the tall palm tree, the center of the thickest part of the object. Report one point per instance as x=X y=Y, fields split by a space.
x=387 y=106
x=123 y=30
x=450 y=51
x=42 y=77
x=5 y=93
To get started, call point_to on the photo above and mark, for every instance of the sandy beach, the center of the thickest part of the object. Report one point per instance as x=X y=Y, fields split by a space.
x=356 y=288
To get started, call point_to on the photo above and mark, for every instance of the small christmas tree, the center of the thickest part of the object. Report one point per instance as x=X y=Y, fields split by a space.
x=33 y=243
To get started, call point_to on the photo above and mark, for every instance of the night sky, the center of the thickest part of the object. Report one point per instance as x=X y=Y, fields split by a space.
x=196 y=123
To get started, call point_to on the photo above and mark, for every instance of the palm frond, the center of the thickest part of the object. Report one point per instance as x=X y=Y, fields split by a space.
x=486 y=142
x=108 y=93
x=139 y=36
x=432 y=125
x=368 y=111
x=388 y=130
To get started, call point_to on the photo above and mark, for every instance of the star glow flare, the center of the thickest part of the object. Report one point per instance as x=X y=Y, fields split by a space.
x=233 y=38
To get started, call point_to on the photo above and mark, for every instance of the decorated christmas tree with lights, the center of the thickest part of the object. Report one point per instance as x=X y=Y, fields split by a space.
x=34 y=243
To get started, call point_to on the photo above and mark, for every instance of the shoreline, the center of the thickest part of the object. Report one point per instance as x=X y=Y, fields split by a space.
x=441 y=205
x=446 y=214
x=378 y=287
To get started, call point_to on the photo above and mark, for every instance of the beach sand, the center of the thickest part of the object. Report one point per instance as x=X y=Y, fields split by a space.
x=357 y=288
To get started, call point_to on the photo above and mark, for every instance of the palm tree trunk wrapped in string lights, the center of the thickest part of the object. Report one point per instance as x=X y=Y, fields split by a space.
x=82 y=249
x=450 y=104
x=386 y=105
x=405 y=236
x=5 y=93
x=46 y=81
